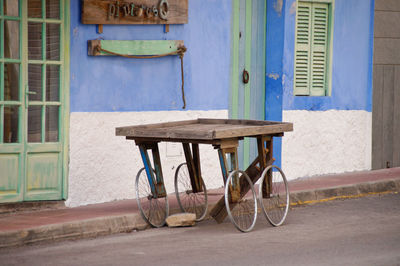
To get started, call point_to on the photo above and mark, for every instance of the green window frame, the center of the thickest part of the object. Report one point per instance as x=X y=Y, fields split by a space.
x=313 y=48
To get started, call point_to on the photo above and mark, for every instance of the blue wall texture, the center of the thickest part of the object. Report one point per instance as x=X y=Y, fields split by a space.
x=351 y=64
x=106 y=84
x=274 y=67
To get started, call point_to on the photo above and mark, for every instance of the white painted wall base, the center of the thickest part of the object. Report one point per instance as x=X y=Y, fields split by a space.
x=103 y=166
x=325 y=142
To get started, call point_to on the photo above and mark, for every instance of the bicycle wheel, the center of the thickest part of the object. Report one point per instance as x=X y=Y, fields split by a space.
x=243 y=213
x=153 y=210
x=188 y=201
x=276 y=205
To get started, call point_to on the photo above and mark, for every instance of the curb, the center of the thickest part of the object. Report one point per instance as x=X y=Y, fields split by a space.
x=73 y=230
x=103 y=226
x=343 y=192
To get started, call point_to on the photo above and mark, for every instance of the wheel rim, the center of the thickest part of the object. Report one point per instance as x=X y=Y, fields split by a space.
x=188 y=201
x=276 y=207
x=243 y=214
x=153 y=211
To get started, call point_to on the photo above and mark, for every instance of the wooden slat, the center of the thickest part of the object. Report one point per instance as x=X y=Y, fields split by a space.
x=176 y=134
x=227 y=143
x=236 y=121
x=396 y=118
x=252 y=131
x=302 y=48
x=201 y=127
x=215 y=142
x=96 y=12
x=377 y=118
x=130 y=130
x=388 y=94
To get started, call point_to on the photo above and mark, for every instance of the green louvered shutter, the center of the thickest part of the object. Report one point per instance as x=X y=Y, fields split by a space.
x=319 y=47
x=302 y=49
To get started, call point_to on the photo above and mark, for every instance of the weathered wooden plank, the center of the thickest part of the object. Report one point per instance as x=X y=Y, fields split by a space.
x=236 y=121
x=396 y=118
x=176 y=134
x=215 y=142
x=120 y=12
x=203 y=131
x=386 y=51
x=201 y=127
x=377 y=118
x=383 y=24
x=129 y=130
x=227 y=143
x=187 y=133
x=133 y=47
x=252 y=131
x=388 y=94
x=388 y=5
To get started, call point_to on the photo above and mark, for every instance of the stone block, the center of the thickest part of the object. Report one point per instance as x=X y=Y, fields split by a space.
x=181 y=219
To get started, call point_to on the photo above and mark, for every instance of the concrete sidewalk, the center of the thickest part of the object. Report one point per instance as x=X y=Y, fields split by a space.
x=123 y=216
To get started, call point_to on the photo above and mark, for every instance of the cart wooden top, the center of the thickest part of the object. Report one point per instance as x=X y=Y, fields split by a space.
x=204 y=129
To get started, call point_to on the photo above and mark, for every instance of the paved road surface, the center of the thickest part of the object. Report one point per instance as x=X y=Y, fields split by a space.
x=363 y=231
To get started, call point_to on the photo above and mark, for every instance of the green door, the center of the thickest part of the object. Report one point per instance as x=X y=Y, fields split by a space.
x=33 y=97
x=248 y=68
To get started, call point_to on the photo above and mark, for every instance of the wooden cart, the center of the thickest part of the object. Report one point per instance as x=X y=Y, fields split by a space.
x=239 y=201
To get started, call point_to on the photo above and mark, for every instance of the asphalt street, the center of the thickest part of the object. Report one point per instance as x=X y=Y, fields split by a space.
x=363 y=231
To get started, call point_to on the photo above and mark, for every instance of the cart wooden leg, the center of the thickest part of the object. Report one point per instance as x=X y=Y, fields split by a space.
x=228 y=166
x=190 y=189
x=265 y=155
x=193 y=164
x=156 y=182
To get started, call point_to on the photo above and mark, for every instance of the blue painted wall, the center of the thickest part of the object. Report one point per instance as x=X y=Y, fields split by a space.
x=275 y=37
x=105 y=84
x=352 y=59
x=351 y=63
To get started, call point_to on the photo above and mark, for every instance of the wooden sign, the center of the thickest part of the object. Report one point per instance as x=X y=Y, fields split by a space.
x=133 y=47
x=134 y=12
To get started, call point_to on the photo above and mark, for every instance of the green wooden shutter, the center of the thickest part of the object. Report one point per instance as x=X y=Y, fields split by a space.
x=302 y=49
x=319 y=47
x=312 y=49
